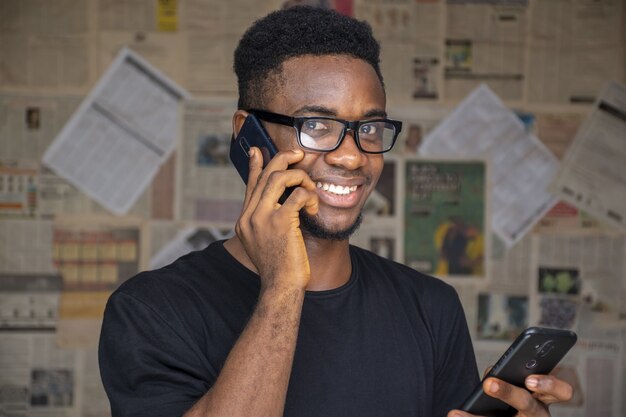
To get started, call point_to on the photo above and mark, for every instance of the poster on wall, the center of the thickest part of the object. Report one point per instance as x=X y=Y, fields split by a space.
x=444 y=217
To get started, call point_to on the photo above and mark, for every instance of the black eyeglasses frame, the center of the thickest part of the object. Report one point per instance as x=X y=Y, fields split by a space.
x=297 y=121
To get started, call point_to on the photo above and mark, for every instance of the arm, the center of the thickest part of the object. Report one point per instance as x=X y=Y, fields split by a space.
x=254 y=379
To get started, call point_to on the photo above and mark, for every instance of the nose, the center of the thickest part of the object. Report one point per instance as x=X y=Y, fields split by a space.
x=347 y=155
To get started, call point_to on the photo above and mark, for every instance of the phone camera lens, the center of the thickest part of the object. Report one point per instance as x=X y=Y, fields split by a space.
x=531 y=364
x=545 y=349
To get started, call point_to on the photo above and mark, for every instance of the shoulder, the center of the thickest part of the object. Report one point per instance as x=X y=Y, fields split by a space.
x=428 y=288
x=180 y=283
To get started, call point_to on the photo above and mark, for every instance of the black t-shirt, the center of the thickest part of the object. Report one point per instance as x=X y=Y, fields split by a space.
x=390 y=342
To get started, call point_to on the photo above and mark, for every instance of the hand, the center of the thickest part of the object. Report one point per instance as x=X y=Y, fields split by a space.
x=544 y=390
x=270 y=232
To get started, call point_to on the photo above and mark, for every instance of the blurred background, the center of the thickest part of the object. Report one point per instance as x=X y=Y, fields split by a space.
x=508 y=180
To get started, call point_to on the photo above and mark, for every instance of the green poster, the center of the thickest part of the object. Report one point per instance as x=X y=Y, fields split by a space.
x=445 y=217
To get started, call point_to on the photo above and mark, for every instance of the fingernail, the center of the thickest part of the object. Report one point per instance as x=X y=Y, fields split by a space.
x=494 y=387
x=532 y=382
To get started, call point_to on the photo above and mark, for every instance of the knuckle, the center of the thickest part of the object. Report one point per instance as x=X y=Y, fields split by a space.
x=273 y=177
x=528 y=403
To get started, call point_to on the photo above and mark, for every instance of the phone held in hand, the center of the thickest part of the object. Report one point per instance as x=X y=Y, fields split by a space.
x=536 y=351
x=252 y=134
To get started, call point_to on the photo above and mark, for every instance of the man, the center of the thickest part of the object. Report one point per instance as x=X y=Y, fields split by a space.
x=286 y=318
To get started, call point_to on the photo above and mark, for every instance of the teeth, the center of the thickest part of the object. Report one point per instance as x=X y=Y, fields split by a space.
x=336 y=189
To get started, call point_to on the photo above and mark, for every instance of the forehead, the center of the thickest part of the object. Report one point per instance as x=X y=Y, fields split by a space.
x=348 y=86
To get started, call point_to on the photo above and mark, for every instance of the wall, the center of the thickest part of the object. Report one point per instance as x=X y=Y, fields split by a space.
x=62 y=253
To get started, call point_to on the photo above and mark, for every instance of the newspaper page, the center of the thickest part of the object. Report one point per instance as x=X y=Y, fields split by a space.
x=29 y=123
x=409 y=32
x=381 y=224
x=509 y=268
x=165 y=51
x=520 y=165
x=213 y=30
x=18 y=189
x=45 y=47
x=501 y=315
x=557 y=130
x=485 y=42
x=132 y=15
x=192 y=238
x=37 y=378
x=115 y=142
x=26 y=246
x=578 y=275
x=94 y=255
x=566 y=216
x=593 y=367
x=29 y=301
x=444 y=217
x=418 y=120
x=593 y=174
x=95 y=402
x=574 y=48
x=379 y=235
x=209 y=188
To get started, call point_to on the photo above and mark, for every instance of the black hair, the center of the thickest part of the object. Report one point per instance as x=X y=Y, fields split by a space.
x=297 y=31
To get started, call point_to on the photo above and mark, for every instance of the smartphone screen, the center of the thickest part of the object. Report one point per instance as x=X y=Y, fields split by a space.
x=536 y=351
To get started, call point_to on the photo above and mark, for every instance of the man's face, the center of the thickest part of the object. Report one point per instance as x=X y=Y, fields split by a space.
x=342 y=87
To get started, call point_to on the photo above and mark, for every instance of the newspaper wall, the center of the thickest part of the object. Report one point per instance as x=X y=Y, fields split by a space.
x=550 y=247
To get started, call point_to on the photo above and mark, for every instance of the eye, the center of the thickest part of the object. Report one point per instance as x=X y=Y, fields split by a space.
x=316 y=128
x=368 y=129
x=314 y=125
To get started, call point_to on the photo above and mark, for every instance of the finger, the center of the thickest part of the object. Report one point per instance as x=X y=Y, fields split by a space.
x=549 y=389
x=516 y=397
x=459 y=413
x=280 y=162
x=301 y=199
x=276 y=185
x=255 y=167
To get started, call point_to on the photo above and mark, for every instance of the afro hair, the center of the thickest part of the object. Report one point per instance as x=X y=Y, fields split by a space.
x=297 y=31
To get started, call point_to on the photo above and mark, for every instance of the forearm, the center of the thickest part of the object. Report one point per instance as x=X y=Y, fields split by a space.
x=254 y=379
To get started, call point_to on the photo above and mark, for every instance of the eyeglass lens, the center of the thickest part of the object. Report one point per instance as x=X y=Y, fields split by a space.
x=324 y=134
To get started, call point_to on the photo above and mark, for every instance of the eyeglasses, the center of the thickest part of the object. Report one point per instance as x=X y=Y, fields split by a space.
x=325 y=134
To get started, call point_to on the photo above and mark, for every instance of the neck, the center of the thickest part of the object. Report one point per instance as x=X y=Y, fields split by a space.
x=329 y=261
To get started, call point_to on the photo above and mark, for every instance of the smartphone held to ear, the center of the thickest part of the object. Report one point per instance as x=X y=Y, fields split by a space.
x=252 y=134
x=536 y=351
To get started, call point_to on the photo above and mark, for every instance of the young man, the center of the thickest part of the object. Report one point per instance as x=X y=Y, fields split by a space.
x=286 y=318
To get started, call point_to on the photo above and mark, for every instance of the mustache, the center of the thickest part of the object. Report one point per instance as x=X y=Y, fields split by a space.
x=341 y=173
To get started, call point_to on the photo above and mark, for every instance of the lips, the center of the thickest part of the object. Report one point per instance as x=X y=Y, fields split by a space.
x=340 y=192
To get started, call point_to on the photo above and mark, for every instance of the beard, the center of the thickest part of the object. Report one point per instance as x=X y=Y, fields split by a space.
x=311 y=226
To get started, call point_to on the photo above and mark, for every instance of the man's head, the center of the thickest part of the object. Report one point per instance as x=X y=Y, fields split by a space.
x=306 y=62
x=294 y=32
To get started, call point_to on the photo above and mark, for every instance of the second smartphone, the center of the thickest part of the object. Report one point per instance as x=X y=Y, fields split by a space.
x=536 y=351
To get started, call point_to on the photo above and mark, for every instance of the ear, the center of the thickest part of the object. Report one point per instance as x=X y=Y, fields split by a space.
x=238 y=118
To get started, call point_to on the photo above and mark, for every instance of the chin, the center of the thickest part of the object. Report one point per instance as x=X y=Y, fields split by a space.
x=312 y=226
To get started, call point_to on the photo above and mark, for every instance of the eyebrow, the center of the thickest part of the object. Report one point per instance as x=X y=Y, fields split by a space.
x=325 y=111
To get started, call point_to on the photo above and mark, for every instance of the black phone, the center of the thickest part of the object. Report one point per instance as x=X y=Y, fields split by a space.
x=252 y=133
x=537 y=350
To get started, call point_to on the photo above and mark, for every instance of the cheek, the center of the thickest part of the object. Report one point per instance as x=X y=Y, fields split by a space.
x=284 y=137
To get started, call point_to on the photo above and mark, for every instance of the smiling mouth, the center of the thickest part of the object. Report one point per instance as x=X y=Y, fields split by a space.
x=336 y=188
